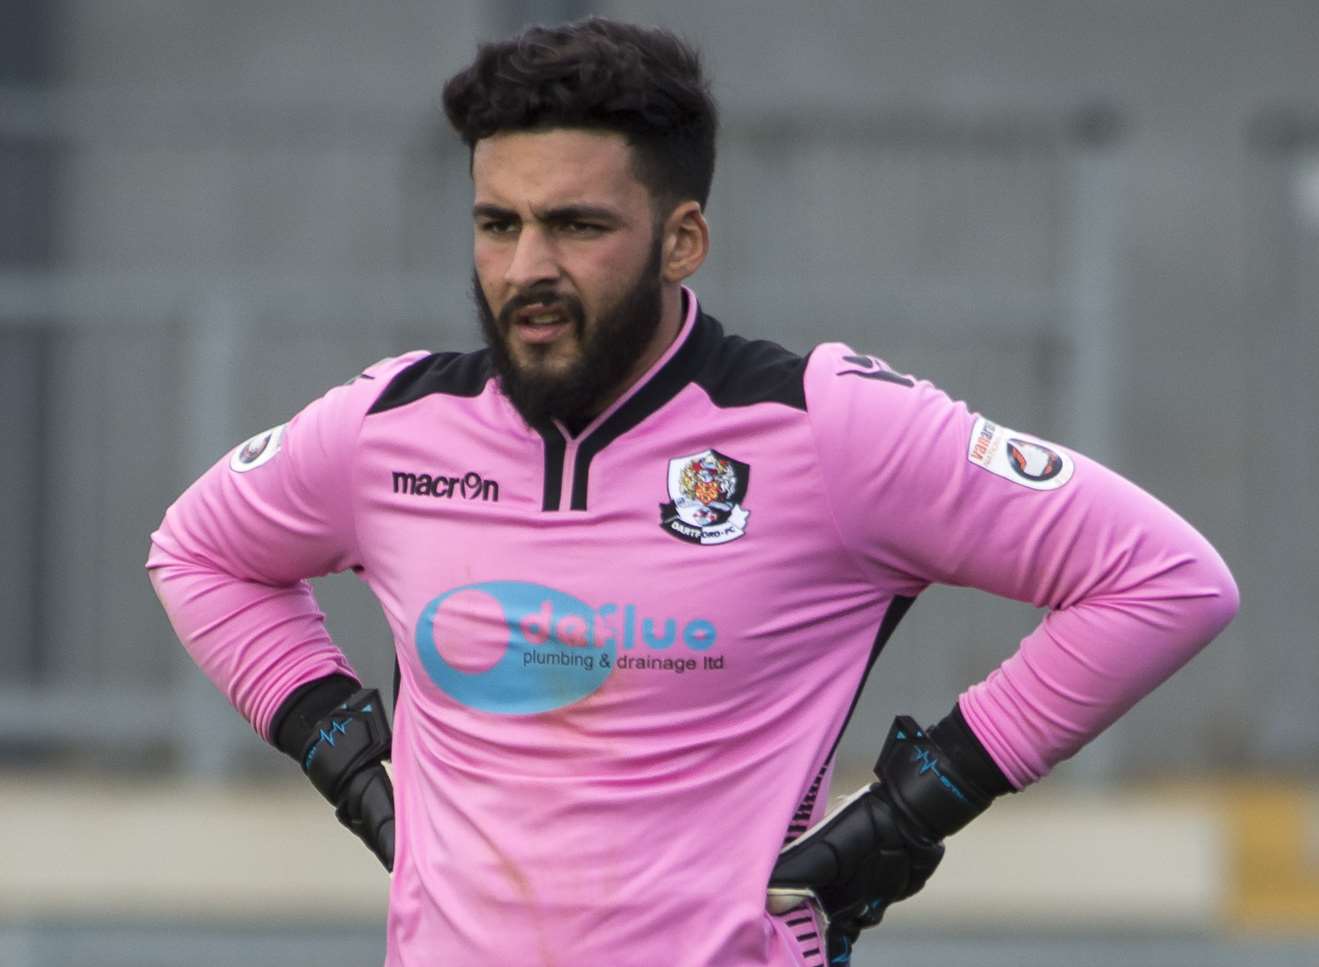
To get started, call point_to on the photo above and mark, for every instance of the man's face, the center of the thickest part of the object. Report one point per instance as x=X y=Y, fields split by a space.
x=567 y=267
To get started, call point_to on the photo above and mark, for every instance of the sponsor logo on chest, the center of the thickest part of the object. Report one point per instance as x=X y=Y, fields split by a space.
x=521 y=648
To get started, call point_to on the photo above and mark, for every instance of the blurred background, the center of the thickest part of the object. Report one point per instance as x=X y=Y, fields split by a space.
x=1096 y=222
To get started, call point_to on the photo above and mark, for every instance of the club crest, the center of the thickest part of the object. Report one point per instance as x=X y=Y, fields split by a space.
x=706 y=491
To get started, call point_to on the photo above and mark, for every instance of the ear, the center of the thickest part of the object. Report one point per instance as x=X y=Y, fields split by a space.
x=686 y=242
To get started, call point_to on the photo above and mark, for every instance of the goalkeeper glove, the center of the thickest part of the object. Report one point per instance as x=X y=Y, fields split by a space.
x=882 y=843
x=341 y=753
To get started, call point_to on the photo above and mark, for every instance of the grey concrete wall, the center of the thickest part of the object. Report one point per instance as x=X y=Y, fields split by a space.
x=1191 y=76
x=282 y=166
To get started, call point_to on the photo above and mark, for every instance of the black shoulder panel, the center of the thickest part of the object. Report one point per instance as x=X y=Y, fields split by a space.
x=741 y=372
x=450 y=374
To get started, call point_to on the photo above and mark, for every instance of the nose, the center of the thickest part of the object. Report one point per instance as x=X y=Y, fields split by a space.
x=533 y=261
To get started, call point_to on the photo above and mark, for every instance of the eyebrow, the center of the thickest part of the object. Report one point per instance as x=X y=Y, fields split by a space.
x=564 y=213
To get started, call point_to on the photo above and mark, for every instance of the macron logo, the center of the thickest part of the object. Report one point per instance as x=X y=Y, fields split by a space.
x=470 y=486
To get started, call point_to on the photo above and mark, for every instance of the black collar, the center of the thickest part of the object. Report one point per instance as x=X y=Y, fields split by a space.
x=680 y=369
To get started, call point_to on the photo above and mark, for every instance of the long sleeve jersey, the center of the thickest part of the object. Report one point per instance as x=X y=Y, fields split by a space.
x=626 y=655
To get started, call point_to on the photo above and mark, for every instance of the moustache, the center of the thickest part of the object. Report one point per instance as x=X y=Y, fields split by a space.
x=549 y=301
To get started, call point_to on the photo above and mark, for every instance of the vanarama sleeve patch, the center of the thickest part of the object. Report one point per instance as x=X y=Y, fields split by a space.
x=1019 y=457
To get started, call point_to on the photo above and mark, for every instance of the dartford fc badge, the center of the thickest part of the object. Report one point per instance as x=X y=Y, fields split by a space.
x=706 y=491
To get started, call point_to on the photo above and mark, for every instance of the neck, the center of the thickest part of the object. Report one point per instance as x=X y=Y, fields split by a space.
x=671 y=319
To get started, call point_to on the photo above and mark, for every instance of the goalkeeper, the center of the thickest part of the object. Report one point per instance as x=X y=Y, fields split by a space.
x=636 y=570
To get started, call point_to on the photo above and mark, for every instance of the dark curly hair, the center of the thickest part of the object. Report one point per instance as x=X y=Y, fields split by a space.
x=642 y=82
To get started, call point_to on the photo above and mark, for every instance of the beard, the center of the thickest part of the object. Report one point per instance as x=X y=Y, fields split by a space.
x=609 y=349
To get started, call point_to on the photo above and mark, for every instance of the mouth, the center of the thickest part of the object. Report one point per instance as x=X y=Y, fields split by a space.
x=541 y=323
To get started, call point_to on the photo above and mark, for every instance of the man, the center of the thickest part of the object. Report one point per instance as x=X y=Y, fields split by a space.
x=637 y=570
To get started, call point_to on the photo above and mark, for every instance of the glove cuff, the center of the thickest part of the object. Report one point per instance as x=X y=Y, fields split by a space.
x=351 y=737
x=934 y=795
x=955 y=737
x=299 y=715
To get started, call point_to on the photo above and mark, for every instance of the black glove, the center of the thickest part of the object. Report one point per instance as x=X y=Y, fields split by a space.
x=882 y=843
x=342 y=758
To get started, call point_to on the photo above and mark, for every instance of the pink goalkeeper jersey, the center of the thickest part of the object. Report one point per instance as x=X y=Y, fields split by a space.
x=626 y=656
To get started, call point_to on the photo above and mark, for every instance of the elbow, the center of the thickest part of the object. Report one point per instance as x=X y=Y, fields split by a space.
x=153 y=543
x=1189 y=604
x=1216 y=598
x=159 y=546
x=169 y=548
x=1227 y=601
x=161 y=564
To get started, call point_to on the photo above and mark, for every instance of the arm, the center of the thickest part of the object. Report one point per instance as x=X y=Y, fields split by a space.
x=231 y=559
x=924 y=491
x=932 y=496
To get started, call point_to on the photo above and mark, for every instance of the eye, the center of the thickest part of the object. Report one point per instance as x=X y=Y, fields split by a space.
x=582 y=228
x=496 y=226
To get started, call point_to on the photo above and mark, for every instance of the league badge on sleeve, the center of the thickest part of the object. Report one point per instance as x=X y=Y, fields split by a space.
x=706 y=491
x=1018 y=457
x=258 y=450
